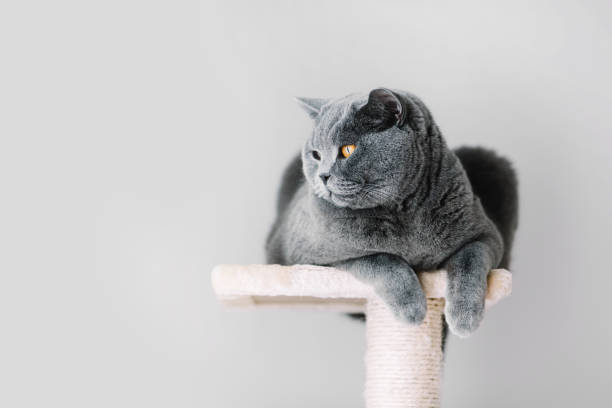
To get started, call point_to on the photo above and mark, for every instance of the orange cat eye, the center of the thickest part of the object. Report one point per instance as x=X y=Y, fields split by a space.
x=347 y=150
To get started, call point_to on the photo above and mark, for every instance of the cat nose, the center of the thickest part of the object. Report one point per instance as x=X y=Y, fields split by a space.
x=324 y=177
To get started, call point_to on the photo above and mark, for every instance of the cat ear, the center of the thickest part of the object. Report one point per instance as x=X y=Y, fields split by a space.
x=384 y=109
x=312 y=106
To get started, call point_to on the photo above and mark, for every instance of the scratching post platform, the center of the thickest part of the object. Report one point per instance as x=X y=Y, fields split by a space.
x=403 y=362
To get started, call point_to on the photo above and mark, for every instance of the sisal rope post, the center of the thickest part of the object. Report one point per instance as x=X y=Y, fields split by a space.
x=403 y=362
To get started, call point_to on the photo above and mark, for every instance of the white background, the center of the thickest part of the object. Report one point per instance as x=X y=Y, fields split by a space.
x=142 y=143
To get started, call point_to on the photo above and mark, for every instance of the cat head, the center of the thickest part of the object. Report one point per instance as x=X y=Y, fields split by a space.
x=366 y=150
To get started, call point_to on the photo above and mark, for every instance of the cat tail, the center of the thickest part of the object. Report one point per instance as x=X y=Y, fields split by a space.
x=495 y=182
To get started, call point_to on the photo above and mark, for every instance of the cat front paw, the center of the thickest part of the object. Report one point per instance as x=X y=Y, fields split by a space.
x=412 y=312
x=409 y=307
x=464 y=315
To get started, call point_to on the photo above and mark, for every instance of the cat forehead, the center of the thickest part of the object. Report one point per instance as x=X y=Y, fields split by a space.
x=335 y=118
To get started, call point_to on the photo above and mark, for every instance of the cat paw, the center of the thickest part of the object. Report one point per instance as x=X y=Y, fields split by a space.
x=410 y=308
x=464 y=316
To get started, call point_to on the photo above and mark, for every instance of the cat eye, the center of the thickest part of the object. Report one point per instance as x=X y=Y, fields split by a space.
x=347 y=150
x=316 y=155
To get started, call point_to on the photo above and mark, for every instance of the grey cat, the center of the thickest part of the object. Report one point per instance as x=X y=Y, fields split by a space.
x=377 y=192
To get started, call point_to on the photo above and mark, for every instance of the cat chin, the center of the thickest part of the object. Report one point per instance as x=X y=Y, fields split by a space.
x=337 y=201
x=341 y=201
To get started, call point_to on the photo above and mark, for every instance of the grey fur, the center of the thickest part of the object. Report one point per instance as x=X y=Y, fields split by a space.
x=401 y=202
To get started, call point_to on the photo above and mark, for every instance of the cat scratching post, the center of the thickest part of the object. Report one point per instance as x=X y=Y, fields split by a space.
x=403 y=362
